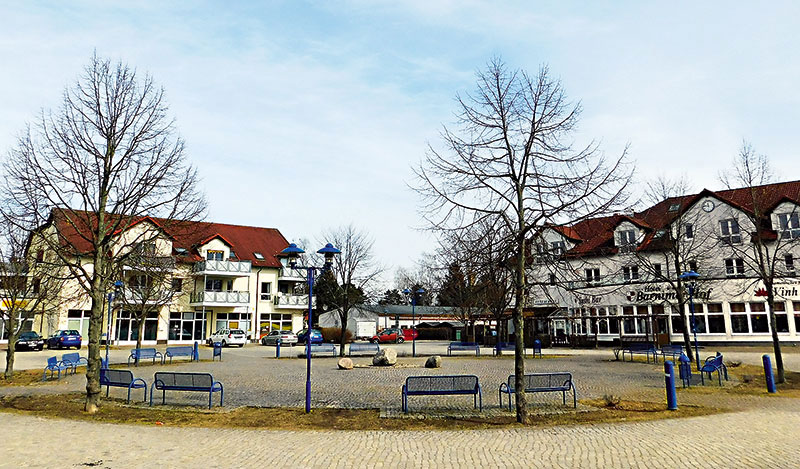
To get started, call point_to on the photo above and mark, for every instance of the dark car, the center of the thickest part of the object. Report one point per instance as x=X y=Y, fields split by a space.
x=316 y=336
x=65 y=339
x=29 y=341
x=393 y=334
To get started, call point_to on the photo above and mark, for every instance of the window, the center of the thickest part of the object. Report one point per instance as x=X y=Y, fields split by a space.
x=233 y=255
x=781 y=319
x=558 y=247
x=36 y=285
x=233 y=321
x=146 y=249
x=187 y=326
x=215 y=255
x=738 y=321
x=630 y=273
x=734 y=267
x=229 y=286
x=275 y=322
x=688 y=231
x=790 y=225
x=140 y=281
x=40 y=255
x=674 y=207
x=127 y=326
x=177 y=284
x=213 y=284
x=266 y=291
x=693 y=266
x=259 y=256
x=788 y=259
x=657 y=270
x=592 y=275
x=730 y=231
x=552 y=279
x=79 y=320
x=660 y=234
x=627 y=237
x=796 y=309
x=716 y=320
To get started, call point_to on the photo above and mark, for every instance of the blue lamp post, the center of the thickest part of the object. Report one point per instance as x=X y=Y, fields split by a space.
x=413 y=318
x=117 y=286
x=292 y=252
x=691 y=279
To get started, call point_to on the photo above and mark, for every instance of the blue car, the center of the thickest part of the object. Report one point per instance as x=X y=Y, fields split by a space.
x=65 y=339
x=316 y=336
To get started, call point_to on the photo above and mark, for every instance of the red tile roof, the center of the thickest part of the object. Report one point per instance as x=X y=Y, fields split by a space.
x=596 y=236
x=243 y=240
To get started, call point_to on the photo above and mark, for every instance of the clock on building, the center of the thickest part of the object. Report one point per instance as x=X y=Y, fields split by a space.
x=708 y=205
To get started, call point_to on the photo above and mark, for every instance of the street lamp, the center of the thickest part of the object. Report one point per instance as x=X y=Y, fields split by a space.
x=691 y=279
x=413 y=318
x=292 y=252
x=111 y=297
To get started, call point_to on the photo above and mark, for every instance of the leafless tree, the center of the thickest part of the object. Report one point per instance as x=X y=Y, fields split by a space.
x=764 y=252
x=512 y=161
x=29 y=287
x=90 y=170
x=356 y=270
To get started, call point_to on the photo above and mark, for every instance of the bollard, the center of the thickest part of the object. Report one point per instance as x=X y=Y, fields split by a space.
x=768 y=374
x=669 y=380
x=196 y=352
x=278 y=348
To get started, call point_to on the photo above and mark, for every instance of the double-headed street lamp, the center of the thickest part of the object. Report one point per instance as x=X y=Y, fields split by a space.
x=292 y=252
x=691 y=279
x=414 y=296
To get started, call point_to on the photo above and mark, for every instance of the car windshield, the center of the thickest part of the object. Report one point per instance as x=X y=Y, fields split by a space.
x=28 y=335
x=73 y=332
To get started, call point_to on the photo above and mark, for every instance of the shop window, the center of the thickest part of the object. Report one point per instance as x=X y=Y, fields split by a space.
x=758 y=307
x=781 y=318
x=739 y=324
x=759 y=323
x=187 y=325
x=716 y=323
x=796 y=309
x=737 y=308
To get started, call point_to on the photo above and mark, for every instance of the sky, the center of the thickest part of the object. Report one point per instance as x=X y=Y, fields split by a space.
x=305 y=116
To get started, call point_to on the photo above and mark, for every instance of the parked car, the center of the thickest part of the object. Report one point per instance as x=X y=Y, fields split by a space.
x=316 y=336
x=229 y=337
x=65 y=338
x=393 y=334
x=286 y=337
x=29 y=341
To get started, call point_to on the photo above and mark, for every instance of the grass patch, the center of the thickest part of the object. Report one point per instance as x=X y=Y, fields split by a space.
x=26 y=378
x=749 y=380
x=70 y=406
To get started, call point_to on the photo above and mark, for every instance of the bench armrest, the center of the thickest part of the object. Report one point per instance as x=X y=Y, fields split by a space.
x=214 y=386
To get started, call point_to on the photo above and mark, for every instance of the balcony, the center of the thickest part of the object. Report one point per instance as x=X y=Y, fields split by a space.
x=219 y=298
x=149 y=296
x=288 y=301
x=292 y=275
x=222 y=268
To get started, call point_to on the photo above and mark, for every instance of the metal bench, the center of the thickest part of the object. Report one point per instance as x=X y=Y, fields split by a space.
x=182 y=351
x=318 y=349
x=673 y=351
x=122 y=379
x=364 y=348
x=198 y=382
x=144 y=354
x=443 y=386
x=641 y=348
x=468 y=346
x=541 y=382
x=501 y=346
x=73 y=361
x=54 y=365
x=711 y=365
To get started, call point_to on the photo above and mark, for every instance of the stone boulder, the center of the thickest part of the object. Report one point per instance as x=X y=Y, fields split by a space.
x=386 y=357
x=345 y=364
x=433 y=362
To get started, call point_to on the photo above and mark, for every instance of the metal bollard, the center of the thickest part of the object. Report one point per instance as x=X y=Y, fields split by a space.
x=669 y=380
x=768 y=374
x=278 y=348
x=196 y=352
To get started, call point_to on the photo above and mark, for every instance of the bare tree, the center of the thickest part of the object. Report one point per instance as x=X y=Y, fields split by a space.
x=29 y=287
x=772 y=236
x=92 y=169
x=512 y=162
x=356 y=270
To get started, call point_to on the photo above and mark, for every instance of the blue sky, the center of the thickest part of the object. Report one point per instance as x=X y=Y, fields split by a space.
x=308 y=115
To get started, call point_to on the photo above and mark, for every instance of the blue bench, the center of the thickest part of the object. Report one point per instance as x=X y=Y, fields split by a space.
x=501 y=346
x=318 y=349
x=673 y=351
x=54 y=365
x=541 y=382
x=711 y=365
x=196 y=382
x=73 y=361
x=469 y=346
x=364 y=348
x=182 y=351
x=443 y=386
x=122 y=379
x=144 y=354
x=641 y=348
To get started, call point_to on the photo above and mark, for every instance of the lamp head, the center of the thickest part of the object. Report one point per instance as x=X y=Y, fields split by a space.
x=329 y=252
x=689 y=276
x=292 y=252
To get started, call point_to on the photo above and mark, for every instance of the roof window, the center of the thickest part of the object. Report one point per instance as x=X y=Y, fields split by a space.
x=181 y=251
x=259 y=256
x=674 y=207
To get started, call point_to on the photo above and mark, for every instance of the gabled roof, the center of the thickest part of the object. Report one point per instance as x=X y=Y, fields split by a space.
x=596 y=236
x=188 y=235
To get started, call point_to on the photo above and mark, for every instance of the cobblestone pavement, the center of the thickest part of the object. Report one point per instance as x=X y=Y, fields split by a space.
x=751 y=439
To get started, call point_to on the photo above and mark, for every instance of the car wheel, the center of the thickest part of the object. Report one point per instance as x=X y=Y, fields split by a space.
x=241 y=345
x=400 y=340
x=78 y=347
x=224 y=344
x=263 y=342
x=41 y=347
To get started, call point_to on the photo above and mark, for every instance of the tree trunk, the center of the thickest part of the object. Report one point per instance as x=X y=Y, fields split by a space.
x=12 y=338
x=343 y=335
x=95 y=329
x=140 y=335
x=776 y=345
x=519 y=340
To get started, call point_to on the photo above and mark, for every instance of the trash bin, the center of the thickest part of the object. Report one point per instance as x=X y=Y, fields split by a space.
x=685 y=370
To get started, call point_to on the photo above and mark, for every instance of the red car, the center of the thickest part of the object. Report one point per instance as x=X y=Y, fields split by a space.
x=394 y=334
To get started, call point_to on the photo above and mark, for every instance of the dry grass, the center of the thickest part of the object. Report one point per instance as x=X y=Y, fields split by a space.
x=26 y=378
x=750 y=380
x=115 y=411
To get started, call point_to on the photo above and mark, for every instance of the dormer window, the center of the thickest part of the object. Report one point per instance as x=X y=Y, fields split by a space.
x=660 y=234
x=558 y=247
x=233 y=255
x=730 y=231
x=259 y=256
x=215 y=255
x=627 y=237
x=674 y=207
x=790 y=225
